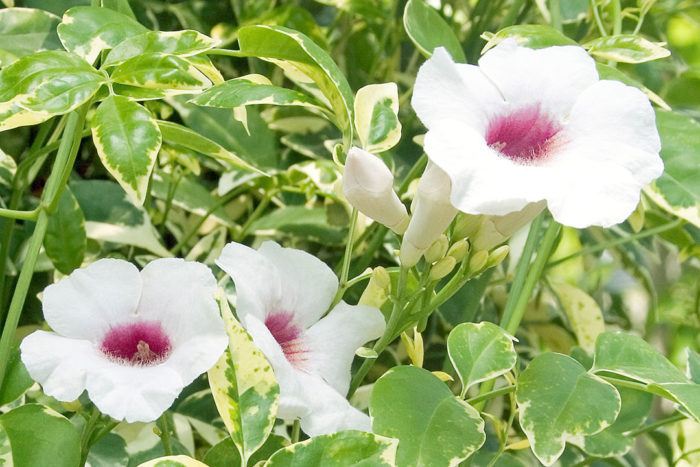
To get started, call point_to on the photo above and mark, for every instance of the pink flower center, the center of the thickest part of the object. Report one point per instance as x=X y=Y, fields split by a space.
x=524 y=135
x=143 y=343
x=288 y=336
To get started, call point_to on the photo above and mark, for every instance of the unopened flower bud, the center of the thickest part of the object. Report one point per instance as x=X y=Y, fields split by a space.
x=437 y=250
x=432 y=214
x=497 y=229
x=369 y=186
x=459 y=250
x=378 y=288
x=442 y=268
x=466 y=225
x=497 y=256
x=478 y=261
x=414 y=347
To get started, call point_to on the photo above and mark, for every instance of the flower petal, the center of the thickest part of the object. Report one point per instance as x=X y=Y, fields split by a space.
x=330 y=412
x=58 y=363
x=615 y=112
x=308 y=284
x=552 y=76
x=84 y=304
x=482 y=181
x=180 y=295
x=333 y=341
x=258 y=285
x=603 y=182
x=133 y=393
x=462 y=92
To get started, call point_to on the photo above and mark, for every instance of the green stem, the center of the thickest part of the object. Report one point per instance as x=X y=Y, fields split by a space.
x=164 y=427
x=620 y=241
x=666 y=421
x=227 y=52
x=347 y=256
x=87 y=434
x=598 y=21
x=389 y=332
x=257 y=212
x=522 y=269
x=533 y=276
x=295 y=431
x=66 y=154
x=21 y=215
x=491 y=394
x=512 y=14
x=617 y=17
x=555 y=14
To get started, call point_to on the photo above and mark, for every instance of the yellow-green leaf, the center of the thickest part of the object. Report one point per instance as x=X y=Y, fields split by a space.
x=244 y=388
x=182 y=43
x=376 y=116
x=626 y=48
x=160 y=71
x=583 y=312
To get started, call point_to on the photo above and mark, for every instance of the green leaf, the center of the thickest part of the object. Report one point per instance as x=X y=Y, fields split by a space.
x=626 y=48
x=680 y=150
x=127 y=139
x=160 y=71
x=608 y=72
x=534 y=36
x=432 y=425
x=24 y=31
x=108 y=452
x=258 y=148
x=17 y=379
x=584 y=314
x=189 y=195
x=376 y=116
x=480 y=352
x=66 y=240
x=38 y=86
x=630 y=356
x=293 y=50
x=173 y=461
x=111 y=216
x=183 y=43
x=190 y=139
x=87 y=30
x=693 y=365
x=428 y=30
x=309 y=223
x=249 y=90
x=40 y=436
x=559 y=401
x=613 y=441
x=244 y=388
x=8 y=167
x=344 y=448
x=225 y=454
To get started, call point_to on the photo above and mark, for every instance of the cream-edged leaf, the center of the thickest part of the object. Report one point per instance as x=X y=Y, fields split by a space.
x=127 y=140
x=376 y=116
x=182 y=43
x=160 y=71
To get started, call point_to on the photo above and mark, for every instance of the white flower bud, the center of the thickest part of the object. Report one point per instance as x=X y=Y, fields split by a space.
x=432 y=214
x=459 y=250
x=369 y=186
x=478 y=261
x=497 y=229
x=497 y=256
x=378 y=289
x=437 y=250
x=442 y=268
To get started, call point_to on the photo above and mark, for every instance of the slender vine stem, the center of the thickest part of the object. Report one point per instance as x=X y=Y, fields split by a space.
x=555 y=14
x=21 y=215
x=347 y=256
x=164 y=426
x=666 y=421
x=65 y=156
x=491 y=394
x=620 y=241
x=598 y=21
x=86 y=436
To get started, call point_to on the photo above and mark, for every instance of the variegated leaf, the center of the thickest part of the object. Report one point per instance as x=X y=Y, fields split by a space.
x=480 y=352
x=87 y=30
x=244 y=388
x=249 y=90
x=39 y=86
x=376 y=116
x=173 y=461
x=583 y=312
x=626 y=48
x=183 y=43
x=204 y=64
x=432 y=425
x=183 y=136
x=560 y=401
x=66 y=240
x=160 y=71
x=297 y=52
x=8 y=167
x=24 y=31
x=127 y=139
x=340 y=449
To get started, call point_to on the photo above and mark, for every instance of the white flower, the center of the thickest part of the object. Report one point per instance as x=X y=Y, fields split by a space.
x=133 y=340
x=432 y=214
x=529 y=125
x=281 y=296
x=369 y=186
